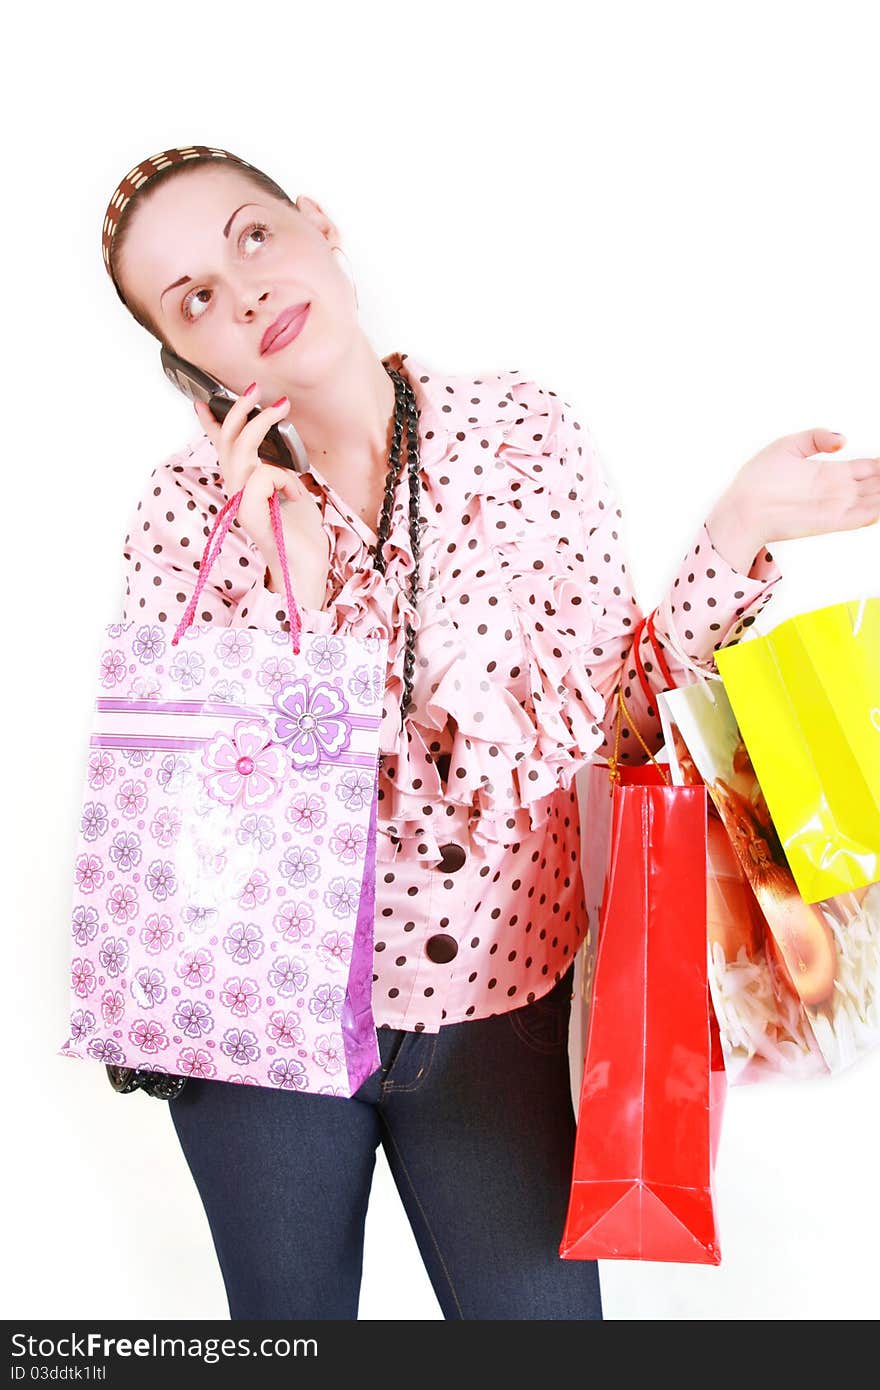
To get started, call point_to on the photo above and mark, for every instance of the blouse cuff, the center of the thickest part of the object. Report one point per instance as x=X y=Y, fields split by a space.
x=261 y=608
x=711 y=603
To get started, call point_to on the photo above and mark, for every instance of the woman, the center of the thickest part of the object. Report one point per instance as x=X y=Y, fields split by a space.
x=504 y=660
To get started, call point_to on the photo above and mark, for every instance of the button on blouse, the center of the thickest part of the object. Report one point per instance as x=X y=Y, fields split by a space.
x=525 y=626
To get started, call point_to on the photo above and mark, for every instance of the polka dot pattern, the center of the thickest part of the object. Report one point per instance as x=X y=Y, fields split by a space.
x=524 y=627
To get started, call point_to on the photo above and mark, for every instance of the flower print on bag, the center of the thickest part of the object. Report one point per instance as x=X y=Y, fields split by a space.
x=349 y=842
x=256 y=830
x=94 y=820
x=89 y=872
x=157 y=933
x=255 y=891
x=326 y=654
x=85 y=924
x=136 y=757
x=160 y=879
x=335 y=949
x=234 y=647
x=192 y=1061
x=312 y=722
x=148 y=1035
x=326 y=1003
x=239 y=1079
x=288 y=1074
x=355 y=789
x=198 y=918
x=306 y=812
x=115 y=630
x=122 y=904
x=240 y=997
x=246 y=769
x=146 y=687
x=196 y=968
x=294 y=921
x=112 y=1006
x=285 y=1028
x=148 y=644
x=131 y=799
x=165 y=825
x=366 y=685
x=82 y=1023
x=113 y=955
x=343 y=896
x=106 y=1050
x=193 y=1017
x=112 y=669
x=125 y=850
x=243 y=942
x=187 y=669
x=174 y=773
x=300 y=865
x=102 y=770
x=240 y=1045
x=327 y=1054
x=227 y=692
x=274 y=673
x=288 y=975
x=82 y=975
x=148 y=987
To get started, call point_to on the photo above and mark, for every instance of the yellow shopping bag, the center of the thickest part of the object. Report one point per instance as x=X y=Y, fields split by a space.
x=807 y=699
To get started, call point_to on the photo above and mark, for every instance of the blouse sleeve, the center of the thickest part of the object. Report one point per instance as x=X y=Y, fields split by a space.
x=163 y=549
x=709 y=605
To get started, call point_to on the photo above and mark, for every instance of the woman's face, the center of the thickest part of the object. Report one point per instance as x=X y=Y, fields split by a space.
x=241 y=259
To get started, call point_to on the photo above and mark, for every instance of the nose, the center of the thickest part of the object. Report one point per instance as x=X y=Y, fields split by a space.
x=249 y=302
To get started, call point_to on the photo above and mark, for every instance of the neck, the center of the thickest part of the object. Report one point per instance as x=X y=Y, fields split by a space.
x=345 y=418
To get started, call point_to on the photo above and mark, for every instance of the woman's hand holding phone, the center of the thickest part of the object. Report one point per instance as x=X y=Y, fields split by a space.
x=236 y=441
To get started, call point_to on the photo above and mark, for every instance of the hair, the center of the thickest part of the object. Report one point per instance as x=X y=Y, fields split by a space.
x=260 y=181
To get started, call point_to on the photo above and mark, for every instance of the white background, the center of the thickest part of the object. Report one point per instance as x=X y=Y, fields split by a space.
x=669 y=214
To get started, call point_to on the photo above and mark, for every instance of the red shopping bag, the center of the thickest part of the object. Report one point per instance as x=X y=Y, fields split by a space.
x=653 y=1082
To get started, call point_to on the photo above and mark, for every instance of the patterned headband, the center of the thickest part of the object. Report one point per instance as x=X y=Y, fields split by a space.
x=140 y=175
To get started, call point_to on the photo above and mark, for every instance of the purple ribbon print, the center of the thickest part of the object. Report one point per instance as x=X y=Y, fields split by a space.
x=313 y=723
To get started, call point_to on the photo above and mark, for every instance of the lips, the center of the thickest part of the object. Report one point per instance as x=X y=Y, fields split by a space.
x=283 y=321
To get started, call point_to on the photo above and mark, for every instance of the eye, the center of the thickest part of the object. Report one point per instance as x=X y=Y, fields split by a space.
x=194 y=295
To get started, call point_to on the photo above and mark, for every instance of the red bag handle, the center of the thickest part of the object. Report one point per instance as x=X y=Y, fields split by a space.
x=222 y=524
x=650 y=695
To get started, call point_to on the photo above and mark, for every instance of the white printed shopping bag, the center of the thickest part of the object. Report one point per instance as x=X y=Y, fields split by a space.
x=223 y=896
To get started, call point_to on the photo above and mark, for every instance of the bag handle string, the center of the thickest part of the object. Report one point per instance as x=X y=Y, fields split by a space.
x=223 y=522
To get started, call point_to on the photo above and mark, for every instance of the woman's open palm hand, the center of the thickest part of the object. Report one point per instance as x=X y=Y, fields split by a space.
x=785 y=491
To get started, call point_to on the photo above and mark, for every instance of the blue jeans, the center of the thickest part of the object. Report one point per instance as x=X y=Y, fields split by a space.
x=478 y=1127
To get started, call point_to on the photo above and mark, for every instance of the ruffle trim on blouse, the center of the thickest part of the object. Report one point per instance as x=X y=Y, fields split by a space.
x=507 y=756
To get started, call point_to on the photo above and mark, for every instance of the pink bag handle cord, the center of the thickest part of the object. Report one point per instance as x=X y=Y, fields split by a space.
x=222 y=524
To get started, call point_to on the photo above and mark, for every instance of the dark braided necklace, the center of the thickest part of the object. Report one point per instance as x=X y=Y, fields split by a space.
x=404 y=406
x=166 y=1086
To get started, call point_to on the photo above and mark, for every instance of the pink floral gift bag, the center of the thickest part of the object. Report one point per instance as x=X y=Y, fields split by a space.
x=223 y=895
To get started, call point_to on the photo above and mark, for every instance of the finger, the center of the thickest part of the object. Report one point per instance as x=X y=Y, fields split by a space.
x=817 y=441
x=267 y=478
x=254 y=432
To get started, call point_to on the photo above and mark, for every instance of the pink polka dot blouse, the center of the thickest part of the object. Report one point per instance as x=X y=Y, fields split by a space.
x=525 y=626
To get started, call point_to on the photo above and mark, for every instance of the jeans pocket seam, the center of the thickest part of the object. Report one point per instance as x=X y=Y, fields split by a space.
x=536 y=1044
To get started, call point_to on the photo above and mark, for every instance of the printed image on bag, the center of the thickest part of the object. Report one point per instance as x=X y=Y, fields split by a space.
x=799 y=994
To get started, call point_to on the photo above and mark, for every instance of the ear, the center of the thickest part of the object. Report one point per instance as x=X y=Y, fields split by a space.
x=318 y=217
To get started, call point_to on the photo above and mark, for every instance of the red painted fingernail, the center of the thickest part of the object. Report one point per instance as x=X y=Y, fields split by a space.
x=280 y=401
x=250 y=389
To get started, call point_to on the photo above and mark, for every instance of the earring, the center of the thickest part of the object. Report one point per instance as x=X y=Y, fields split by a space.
x=346 y=267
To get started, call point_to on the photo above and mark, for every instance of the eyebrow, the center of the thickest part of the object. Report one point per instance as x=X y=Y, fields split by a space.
x=183 y=279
